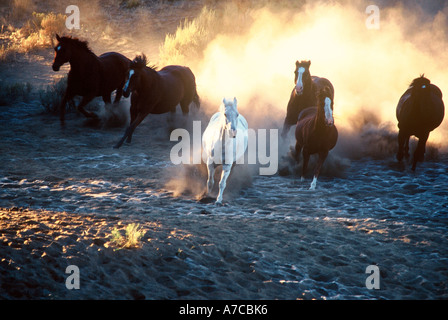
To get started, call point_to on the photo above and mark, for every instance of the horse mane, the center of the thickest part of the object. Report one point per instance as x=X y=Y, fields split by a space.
x=141 y=62
x=303 y=62
x=418 y=82
x=322 y=94
x=83 y=45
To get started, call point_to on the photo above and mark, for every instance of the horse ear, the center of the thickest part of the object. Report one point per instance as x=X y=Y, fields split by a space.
x=234 y=101
x=57 y=37
x=308 y=63
x=297 y=63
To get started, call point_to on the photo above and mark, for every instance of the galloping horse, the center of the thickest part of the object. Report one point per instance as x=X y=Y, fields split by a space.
x=304 y=93
x=89 y=76
x=316 y=133
x=224 y=142
x=419 y=111
x=157 y=92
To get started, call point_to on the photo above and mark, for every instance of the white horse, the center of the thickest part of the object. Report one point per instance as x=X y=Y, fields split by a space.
x=224 y=142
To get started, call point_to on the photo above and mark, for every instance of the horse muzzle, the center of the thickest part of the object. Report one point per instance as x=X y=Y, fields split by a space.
x=299 y=90
x=329 y=123
x=232 y=133
x=126 y=93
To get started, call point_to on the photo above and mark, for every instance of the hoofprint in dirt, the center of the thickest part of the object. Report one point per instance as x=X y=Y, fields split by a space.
x=64 y=190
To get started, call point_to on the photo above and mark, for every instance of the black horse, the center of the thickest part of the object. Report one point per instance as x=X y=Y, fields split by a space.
x=157 y=92
x=90 y=76
x=419 y=111
x=304 y=93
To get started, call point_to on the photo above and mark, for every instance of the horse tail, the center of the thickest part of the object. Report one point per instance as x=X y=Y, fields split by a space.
x=196 y=99
x=191 y=80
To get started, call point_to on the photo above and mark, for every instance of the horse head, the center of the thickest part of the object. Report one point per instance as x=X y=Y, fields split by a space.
x=133 y=77
x=229 y=108
x=326 y=104
x=62 y=53
x=420 y=86
x=302 y=76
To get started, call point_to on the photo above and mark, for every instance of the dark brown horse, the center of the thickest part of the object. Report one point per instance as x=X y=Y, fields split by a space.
x=157 y=92
x=90 y=76
x=304 y=93
x=419 y=111
x=316 y=132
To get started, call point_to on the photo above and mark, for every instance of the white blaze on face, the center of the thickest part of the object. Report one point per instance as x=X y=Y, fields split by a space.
x=131 y=72
x=231 y=115
x=299 y=84
x=328 y=112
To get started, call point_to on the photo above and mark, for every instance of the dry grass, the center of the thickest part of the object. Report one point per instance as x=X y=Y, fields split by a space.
x=51 y=97
x=10 y=93
x=37 y=32
x=190 y=39
x=193 y=36
x=133 y=235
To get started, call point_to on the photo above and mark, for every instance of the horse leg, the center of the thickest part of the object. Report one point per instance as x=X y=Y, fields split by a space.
x=68 y=97
x=419 y=153
x=118 y=94
x=130 y=130
x=406 y=147
x=222 y=184
x=211 y=177
x=285 y=130
x=401 y=143
x=185 y=105
x=322 y=157
x=298 y=149
x=172 y=119
x=133 y=111
x=85 y=100
x=306 y=159
x=62 y=109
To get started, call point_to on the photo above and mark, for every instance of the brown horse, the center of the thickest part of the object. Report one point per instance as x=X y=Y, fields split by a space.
x=316 y=133
x=419 y=111
x=157 y=92
x=304 y=93
x=90 y=76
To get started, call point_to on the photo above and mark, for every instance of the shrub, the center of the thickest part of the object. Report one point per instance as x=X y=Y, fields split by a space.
x=133 y=235
x=51 y=97
x=10 y=93
x=37 y=32
x=190 y=39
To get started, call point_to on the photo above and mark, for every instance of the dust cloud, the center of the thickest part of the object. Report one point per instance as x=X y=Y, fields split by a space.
x=369 y=69
x=250 y=53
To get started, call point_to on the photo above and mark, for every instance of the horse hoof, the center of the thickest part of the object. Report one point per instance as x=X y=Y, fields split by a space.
x=206 y=199
x=219 y=203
